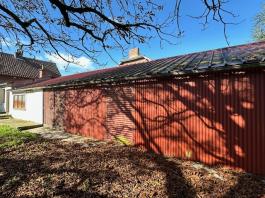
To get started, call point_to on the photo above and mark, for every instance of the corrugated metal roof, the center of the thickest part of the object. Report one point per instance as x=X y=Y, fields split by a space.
x=25 y=67
x=247 y=55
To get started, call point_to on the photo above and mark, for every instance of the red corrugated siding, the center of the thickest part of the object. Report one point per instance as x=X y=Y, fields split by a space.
x=217 y=119
x=85 y=112
x=79 y=111
x=120 y=112
x=100 y=113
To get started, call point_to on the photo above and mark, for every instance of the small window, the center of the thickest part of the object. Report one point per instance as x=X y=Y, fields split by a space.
x=19 y=102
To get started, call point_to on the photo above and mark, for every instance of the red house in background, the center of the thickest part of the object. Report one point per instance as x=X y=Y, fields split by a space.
x=16 y=70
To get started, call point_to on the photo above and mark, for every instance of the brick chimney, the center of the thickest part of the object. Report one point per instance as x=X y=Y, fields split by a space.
x=134 y=53
x=134 y=57
x=41 y=72
x=19 y=53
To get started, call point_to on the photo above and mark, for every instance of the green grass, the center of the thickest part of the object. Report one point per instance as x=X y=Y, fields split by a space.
x=10 y=137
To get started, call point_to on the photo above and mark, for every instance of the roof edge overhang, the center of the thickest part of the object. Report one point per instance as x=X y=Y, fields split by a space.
x=27 y=89
x=4 y=85
x=181 y=74
x=17 y=76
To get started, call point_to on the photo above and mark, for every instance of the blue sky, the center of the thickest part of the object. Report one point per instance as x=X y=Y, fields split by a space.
x=194 y=38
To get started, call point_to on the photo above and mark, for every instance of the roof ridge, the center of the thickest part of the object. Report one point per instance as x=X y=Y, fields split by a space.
x=29 y=58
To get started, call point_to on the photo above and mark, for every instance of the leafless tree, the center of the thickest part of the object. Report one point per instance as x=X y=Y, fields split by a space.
x=259 y=25
x=92 y=27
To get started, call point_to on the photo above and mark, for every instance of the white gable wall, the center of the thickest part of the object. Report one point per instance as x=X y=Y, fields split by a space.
x=34 y=107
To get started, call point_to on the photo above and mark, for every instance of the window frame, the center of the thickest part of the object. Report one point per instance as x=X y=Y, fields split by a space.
x=19 y=102
x=3 y=95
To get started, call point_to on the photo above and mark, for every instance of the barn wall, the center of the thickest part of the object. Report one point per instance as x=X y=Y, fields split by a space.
x=79 y=111
x=120 y=120
x=93 y=112
x=215 y=120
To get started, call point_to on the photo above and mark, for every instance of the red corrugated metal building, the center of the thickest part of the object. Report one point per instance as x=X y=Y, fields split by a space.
x=206 y=106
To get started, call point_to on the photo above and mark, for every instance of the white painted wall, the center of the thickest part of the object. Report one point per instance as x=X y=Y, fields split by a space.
x=34 y=107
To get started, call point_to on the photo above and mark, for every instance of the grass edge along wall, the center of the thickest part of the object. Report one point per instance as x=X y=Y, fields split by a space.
x=215 y=119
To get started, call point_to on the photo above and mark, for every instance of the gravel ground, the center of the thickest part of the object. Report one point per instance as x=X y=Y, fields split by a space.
x=50 y=168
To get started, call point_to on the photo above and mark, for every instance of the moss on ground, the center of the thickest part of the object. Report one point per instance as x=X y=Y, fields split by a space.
x=123 y=140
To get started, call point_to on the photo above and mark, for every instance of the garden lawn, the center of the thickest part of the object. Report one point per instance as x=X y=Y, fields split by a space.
x=10 y=137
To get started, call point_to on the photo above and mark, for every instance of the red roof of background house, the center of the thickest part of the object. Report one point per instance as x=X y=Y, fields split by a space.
x=241 y=56
x=25 y=67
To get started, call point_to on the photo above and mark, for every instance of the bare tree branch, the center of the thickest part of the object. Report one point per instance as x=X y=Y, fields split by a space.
x=90 y=27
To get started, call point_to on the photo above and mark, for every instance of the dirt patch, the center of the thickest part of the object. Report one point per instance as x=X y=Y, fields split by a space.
x=47 y=168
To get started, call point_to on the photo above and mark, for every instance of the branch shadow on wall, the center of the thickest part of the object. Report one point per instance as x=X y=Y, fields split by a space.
x=208 y=120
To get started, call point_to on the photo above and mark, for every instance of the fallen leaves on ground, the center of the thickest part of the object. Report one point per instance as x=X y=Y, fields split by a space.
x=46 y=168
